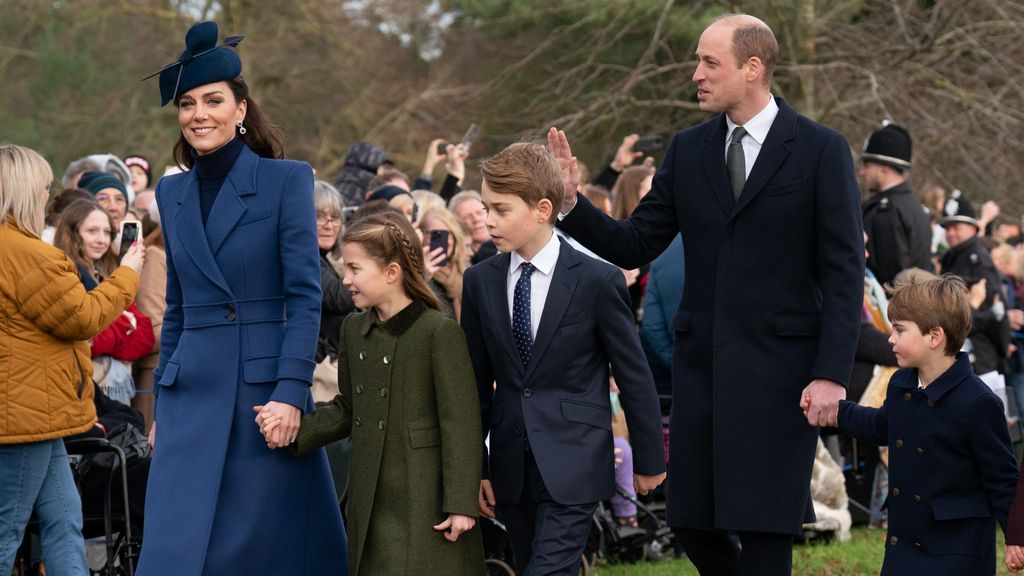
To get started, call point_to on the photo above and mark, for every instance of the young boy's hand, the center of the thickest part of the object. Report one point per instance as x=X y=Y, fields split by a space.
x=805 y=403
x=454 y=525
x=485 y=500
x=1014 y=557
x=644 y=484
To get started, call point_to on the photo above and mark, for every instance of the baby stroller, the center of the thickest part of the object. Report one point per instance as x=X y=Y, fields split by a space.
x=626 y=544
x=498 y=558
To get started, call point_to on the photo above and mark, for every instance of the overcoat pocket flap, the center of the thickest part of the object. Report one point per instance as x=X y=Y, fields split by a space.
x=782 y=189
x=587 y=414
x=682 y=321
x=955 y=509
x=425 y=438
x=170 y=374
x=798 y=324
x=261 y=369
x=254 y=215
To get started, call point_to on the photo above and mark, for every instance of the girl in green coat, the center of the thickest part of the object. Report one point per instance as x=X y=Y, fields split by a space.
x=409 y=402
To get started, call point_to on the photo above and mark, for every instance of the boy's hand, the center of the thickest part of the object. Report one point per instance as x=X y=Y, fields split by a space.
x=486 y=499
x=454 y=525
x=805 y=403
x=558 y=144
x=644 y=484
x=1014 y=557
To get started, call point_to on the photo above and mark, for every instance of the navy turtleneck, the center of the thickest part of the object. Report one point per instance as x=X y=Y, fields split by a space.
x=211 y=170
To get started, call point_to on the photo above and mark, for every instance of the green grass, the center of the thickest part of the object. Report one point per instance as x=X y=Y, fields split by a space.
x=861 y=556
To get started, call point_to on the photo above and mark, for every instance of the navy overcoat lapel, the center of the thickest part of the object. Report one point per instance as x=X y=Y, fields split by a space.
x=229 y=207
x=189 y=223
x=714 y=164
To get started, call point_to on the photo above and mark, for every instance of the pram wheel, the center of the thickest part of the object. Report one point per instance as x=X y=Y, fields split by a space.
x=495 y=567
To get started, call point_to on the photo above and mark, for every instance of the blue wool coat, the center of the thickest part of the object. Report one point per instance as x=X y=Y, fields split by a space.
x=952 y=472
x=243 y=312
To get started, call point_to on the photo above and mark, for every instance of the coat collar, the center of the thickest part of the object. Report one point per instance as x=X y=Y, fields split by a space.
x=902 y=188
x=957 y=373
x=774 y=151
x=398 y=323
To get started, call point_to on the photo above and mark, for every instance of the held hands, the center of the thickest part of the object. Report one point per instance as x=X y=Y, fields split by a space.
x=278 y=422
x=820 y=402
x=135 y=257
x=643 y=484
x=558 y=144
x=485 y=500
x=454 y=525
x=1014 y=558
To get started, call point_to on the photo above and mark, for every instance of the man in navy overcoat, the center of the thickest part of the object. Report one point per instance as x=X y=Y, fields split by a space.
x=768 y=207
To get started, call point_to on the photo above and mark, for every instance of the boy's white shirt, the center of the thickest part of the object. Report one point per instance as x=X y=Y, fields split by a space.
x=540 y=282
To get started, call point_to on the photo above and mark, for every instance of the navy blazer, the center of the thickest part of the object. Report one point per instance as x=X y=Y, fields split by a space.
x=952 y=471
x=559 y=403
x=773 y=294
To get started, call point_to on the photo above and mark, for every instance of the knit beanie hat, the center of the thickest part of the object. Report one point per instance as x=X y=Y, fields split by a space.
x=93 y=182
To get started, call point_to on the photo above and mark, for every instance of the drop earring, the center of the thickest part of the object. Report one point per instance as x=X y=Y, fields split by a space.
x=241 y=129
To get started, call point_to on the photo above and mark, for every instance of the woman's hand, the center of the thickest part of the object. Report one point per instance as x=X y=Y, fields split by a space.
x=454 y=525
x=135 y=257
x=278 y=422
x=451 y=281
x=432 y=261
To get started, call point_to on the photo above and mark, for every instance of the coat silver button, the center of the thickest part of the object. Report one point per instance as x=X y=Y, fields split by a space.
x=893 y=540
x=362 y=355
x=359 y=389
x=387 y=359
x=527 y=392
x=380 y=425
x=383 y=392
x=358 y=421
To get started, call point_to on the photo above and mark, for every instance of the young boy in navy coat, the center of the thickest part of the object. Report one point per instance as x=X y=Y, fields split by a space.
x=543 y=323
x=952 y=470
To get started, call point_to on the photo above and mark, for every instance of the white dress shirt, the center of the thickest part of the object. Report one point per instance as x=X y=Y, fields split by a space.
x=757 y=130
x=540 y=281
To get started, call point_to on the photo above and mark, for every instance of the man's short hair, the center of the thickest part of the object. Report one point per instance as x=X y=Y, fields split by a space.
x=386 y=176
x=528 y=171
x=750 y=38
x=464 y=196
x=940 y=302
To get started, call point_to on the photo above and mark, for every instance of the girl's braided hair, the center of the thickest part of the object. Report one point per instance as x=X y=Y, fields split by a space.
x=388 y=237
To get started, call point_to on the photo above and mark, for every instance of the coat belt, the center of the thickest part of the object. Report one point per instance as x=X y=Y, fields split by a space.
x=237 y=312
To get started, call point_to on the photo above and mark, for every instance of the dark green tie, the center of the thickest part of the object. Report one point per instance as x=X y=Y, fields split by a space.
x=736 y=163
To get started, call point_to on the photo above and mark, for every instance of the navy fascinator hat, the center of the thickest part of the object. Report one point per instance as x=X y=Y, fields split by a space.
x=202 y=62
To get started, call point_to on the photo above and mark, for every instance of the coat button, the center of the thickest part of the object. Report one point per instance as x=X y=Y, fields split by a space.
x=383 y=392
x=931 y=403
x=380 y=425
x=893 y=540
x=918 y=546
x=917 y=498
x=362 y=355
x=899 y=443
x=359 y=389
x=527 y=392
x=907 y=395
x=895 y=491
x=358 y=421
x=387 y=359
x=231 y=316
x=920 y=451
x=519 y=431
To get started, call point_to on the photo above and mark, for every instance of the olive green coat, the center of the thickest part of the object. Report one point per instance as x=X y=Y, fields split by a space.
x=409 y=401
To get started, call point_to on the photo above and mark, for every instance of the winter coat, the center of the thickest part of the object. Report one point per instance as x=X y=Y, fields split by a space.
x=408 y=399
x=47 y=316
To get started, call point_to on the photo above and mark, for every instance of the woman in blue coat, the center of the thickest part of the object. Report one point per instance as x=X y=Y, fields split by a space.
x=240 y=330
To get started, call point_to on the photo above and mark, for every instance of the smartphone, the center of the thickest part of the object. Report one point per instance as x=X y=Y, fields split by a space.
x=649 y=145
x=129 y=236
x=470 y=136
x=439 y=239
x=442 y=149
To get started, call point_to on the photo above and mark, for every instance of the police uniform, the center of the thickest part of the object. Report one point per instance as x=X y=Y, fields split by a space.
x=896 y=222
x=952 y=471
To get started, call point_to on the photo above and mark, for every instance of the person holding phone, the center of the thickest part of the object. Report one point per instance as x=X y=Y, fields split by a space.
x=446 y=255
x=48 y=316
x=240 y=330
x=85 y=233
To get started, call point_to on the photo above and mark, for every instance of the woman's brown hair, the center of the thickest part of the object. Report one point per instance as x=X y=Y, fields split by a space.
x=626 y=192
x=69 y=240
x=388 y=237
x=263 y=136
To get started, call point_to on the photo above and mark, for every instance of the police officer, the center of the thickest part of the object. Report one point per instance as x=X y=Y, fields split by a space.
x=897 y=224
x=968 y=258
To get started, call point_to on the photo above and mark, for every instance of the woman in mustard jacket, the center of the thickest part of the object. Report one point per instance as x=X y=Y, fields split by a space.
x=45 y=391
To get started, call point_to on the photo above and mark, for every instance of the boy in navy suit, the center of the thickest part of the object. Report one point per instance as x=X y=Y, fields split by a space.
x=952 y=471
x=543 y=323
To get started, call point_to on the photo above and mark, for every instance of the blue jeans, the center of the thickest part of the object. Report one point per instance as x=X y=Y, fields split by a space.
x=37 y=476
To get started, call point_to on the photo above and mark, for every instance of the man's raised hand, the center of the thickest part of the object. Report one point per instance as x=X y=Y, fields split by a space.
x=558 y=144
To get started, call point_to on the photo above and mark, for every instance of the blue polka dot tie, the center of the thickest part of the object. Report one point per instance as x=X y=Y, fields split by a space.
x=521 y=329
